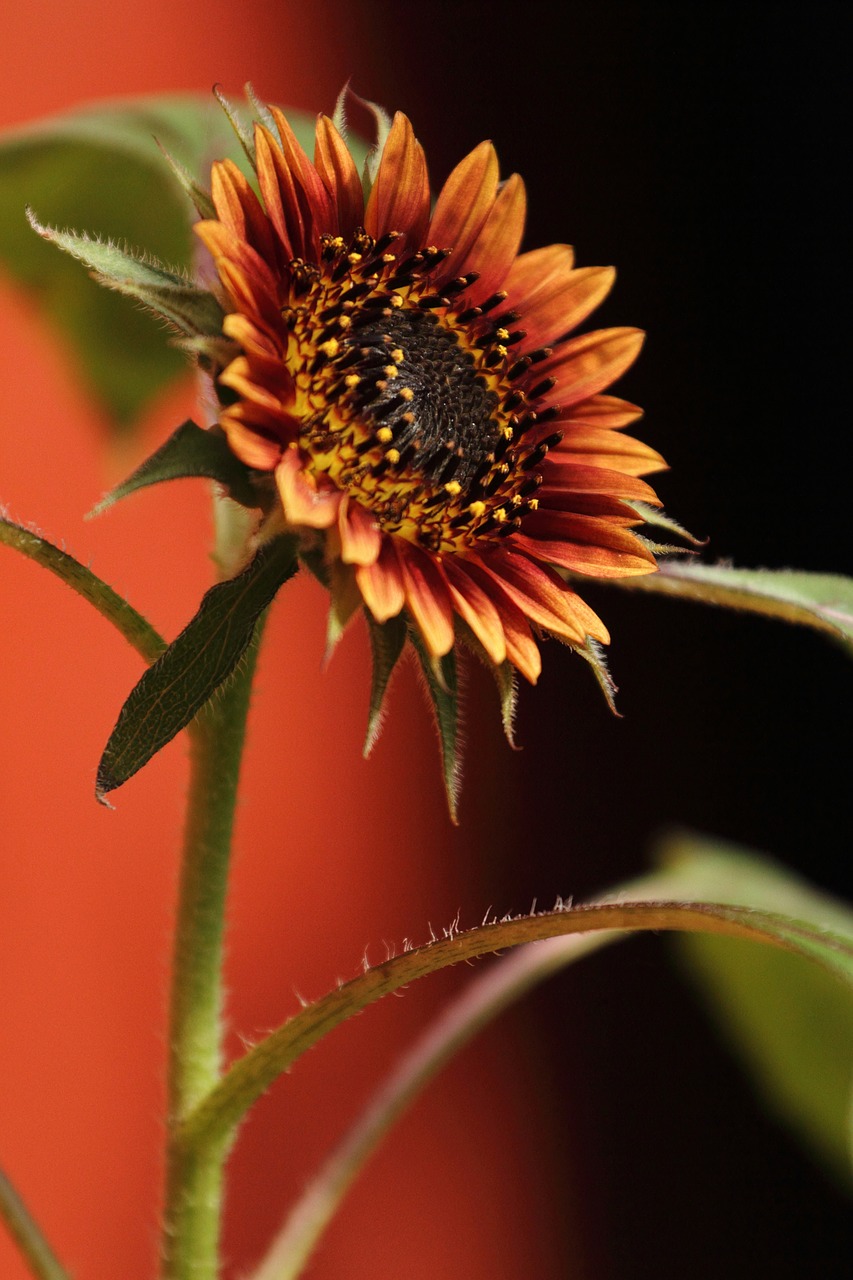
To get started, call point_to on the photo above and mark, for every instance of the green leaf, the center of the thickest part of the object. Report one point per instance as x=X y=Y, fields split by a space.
x=169 y=294
x=136 y=630
x=442 y=687
x=195 y=665
x=666 y=908
x=189 y=452
x=100 y=169
x=387 y=640
x=823 y=601
x=792 y=1024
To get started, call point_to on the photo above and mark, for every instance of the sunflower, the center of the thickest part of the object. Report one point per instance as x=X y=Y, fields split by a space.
x=408 y=378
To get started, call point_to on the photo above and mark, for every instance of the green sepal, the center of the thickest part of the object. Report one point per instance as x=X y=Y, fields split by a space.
x=243 y=135
x=194 y=191
x=195 y=665
x=190 y=452
x=593 y=653
x=441 y=681
x=387 y=641
x=504 y=675
x=660 y=520
x=193 y=311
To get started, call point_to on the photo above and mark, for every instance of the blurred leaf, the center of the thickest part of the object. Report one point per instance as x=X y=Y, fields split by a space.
x=99 y=169
x=387 y=640
x=189 y=451
x=195 y=665
x=443 y=689
x=41 y=1261
x=791 y=1023
x=823 y=601
x=135 y=629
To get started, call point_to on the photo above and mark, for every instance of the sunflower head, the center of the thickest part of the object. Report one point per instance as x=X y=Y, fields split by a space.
x=408 y=380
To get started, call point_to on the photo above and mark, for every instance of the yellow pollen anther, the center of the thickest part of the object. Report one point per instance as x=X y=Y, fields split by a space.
x=453 y=487
x=477 y=509
x=398 y=355
x=395 y=300
x=353 y=258
x=407 y=393
x=382 y=384
x=503 y=334
x=337 y=242
x=407 y=417
x=393 y=455
x=344 y=322
x=352 y=380
x=391 y=371
x=389 y=258
x=501 y=349
x=499 y=514
x=330 y=348
x=384 y=434
x=506 y=432
x=533 y=504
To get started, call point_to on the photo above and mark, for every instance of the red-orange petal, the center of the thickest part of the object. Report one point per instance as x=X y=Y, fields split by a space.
x=462 y=207
x=335 y=165
x=255 y=450
x=381 y=583
x=607 y=412
x=361 y=537
x=543 y=597
x=399 y=199
x=476 y=608
x=564 y=303
x=535 y=268
x=580 y=478
x=595 y=447
x=494 y=251
x=586 y=365
x=521 y=649
x=427 y=598
x=305 y=502
x=315 y=203
x=240 y=209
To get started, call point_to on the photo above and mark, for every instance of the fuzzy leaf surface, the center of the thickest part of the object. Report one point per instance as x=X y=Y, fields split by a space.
x=823 y=601
x=195 y=665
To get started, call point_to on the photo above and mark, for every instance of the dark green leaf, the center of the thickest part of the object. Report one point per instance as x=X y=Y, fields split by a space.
x=791 y=1023
x=387 y=640
x=823 y=601
x=441 y=684
x=195 y=665
x=189 y=451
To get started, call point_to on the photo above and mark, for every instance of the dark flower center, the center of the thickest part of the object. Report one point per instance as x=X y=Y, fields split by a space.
x=447 y=424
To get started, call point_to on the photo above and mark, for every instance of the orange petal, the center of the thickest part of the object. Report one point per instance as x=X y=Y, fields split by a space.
x=588 y=364
x=336 y=167
x=318 y=212
x=595 y=447
x=471 y=603
x=279 y=192
x=462 y=207
x=304 y=501
x=521 y=649
x=529 y=272
x=399 y=198
x=563 y=475
x=494 y=251
x=360 y=535
x=607 y=412
x=585 y=545
x=427 y=598
x=564 y=302
x=381 y=583
x=239 y=208
x=253 y=449
x=543 y=597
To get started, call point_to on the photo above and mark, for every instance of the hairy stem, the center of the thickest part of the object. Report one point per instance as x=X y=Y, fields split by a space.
x=194 y=1177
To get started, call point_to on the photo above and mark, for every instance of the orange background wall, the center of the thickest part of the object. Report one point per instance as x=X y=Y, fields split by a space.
x=334 y=855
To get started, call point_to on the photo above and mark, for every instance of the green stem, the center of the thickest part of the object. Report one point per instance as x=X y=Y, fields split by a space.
x=26 y=1233
x=194 y=1175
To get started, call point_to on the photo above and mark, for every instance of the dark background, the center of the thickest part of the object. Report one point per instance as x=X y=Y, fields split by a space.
x=703 y=150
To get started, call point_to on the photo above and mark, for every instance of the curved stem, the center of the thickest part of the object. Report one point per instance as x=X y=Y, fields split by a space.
x=194 y=1177
x=26 y=1233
